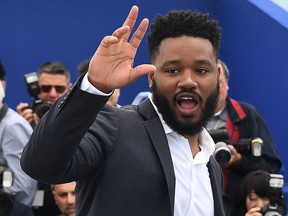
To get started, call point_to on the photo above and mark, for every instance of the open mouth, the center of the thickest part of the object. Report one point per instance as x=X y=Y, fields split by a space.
x=187 y=103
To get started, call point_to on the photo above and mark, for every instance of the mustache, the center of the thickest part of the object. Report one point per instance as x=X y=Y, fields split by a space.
x=189 y=91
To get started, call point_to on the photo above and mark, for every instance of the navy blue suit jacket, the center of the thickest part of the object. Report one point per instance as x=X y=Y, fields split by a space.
x=119 y=157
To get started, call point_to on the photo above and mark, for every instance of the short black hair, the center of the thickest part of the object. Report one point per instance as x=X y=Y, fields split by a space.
x=183 y=22
x=2 y=72
x=54 y=67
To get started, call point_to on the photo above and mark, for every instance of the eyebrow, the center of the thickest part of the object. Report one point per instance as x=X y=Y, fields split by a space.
x=204 y=62
x=171 y=62
x=199 y=62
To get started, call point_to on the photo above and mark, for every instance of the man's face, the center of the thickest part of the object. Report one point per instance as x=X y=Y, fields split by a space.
x=52 y=86
x=185 y=85
x=223 y=89
x=64 y=196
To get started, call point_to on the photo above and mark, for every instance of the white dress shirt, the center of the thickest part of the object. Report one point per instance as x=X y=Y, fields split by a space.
x=193 y=192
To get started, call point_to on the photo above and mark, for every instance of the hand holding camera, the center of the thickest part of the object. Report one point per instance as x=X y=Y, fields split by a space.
x=228 y=153
x=25 y=111
x=39 y=107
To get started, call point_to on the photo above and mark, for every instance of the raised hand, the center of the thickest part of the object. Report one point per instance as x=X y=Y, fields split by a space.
x=111 y=66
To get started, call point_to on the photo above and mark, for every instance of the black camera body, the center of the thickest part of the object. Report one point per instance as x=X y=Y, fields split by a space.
x=272 y=210
x=39 y=106
x=222 y=153
x=6 y=180
x=275 y=197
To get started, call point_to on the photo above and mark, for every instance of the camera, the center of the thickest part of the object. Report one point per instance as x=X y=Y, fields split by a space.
x=40 y=107
x=222 y=153
x=275 y=196
x=6 y=180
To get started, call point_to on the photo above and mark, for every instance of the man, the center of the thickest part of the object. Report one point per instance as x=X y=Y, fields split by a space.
x=242 y=121
x=54 y=81
x=14 y=134
x=64 y=195
x=150 y=159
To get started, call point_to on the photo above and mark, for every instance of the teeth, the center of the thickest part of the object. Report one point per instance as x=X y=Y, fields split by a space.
x=187 y=98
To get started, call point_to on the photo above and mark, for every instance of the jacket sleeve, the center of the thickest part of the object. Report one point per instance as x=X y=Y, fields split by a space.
x=63 y=146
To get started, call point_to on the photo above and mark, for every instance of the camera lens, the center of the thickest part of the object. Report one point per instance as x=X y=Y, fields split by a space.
x=222 y=153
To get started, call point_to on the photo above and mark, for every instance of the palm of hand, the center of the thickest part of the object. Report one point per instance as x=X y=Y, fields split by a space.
x=111 y=66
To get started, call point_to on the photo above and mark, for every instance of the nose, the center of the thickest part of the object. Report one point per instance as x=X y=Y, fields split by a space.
x=188 y=80
x=53 y=93
x=70 y=198
x=262 y=202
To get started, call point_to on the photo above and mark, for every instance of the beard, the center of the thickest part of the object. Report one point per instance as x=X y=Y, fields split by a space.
x=170 y=118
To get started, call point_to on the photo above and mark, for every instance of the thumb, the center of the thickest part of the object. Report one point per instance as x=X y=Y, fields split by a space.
x=141 y=70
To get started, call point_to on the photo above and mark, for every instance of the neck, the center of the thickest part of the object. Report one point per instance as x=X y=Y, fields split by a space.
x=220 y=107
x=194 y=144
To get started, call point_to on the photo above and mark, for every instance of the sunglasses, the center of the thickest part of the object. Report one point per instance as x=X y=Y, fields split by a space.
x=47 y=88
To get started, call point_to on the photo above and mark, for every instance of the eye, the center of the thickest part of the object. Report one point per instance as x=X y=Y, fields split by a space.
x=63 y=195
x=201 y=71
x=172 y=70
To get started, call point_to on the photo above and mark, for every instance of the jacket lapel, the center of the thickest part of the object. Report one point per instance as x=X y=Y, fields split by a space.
x=217 y=186
x=159 y=140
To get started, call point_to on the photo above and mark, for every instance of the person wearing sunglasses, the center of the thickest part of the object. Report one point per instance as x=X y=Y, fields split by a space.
x=54 y=81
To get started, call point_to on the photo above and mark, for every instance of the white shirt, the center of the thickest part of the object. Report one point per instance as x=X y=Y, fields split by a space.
x=193 y=191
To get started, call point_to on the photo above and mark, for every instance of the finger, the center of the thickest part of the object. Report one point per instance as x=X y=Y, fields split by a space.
x=130 y=21
x=116 y=37
x=141 y=70
x=139 y=33
x=120 y=32
x=20 y=107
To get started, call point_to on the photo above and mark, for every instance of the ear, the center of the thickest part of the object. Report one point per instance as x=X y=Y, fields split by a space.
x=150 y=78
x=219 y=70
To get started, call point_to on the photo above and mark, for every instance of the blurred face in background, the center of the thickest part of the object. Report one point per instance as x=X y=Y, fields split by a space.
x=2 y=91
x=64 y=195
x=253 y=200
x=223 y=89
x=52 y=86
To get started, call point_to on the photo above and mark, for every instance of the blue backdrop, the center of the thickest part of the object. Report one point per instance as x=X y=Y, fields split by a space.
x=254 y=46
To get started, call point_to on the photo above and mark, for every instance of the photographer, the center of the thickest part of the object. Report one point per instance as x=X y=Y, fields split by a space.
x=54 y=81
x=242 y=121
x=14 y=134
x=257 y=197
